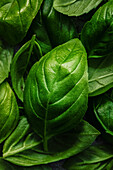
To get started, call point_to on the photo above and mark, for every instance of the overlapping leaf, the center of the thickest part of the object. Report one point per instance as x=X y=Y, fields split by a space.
x=25 y=148
x=5 y=165
x=95 y=157
x=9 y=113
x=75 y=7
x=26 y=56
x=16 y=17
x=97 y=34
x=100 y=75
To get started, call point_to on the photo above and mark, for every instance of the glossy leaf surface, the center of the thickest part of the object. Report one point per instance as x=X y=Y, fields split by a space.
x=9 y=113
x=24 y=58
x=6 y=54
x=16 y=17
x=95 y=157
x=100 y=74
x=97 y=34
x=75 y=7
x=56 y=90
x=24 y=147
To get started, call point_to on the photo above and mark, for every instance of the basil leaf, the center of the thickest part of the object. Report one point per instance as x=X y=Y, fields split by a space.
x=24 y=147
x=9 y=113
x=103 y=109
x=5 y=165
x=20 y=63
x=38 y=28
x=100 y=75
x=60 y=28
x=6 y=54
x=52 y=28
x=16 y=18
x=95 y=157
x=56 y=90
x=75 y=7
x=98 y=32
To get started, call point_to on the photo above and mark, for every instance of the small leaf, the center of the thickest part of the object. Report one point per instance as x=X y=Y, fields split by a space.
x=100 y=75
x=95 y=157
x=97 y=34
x=9 y=113
x=6 y=54
x=75 y=7
x=52 y=28
x=24 y=147
x=24 y=58
x=60 y=28
x=16 y=17
x=103 y=109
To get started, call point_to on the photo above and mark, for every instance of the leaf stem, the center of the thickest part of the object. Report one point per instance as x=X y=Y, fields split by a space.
x=45 y=144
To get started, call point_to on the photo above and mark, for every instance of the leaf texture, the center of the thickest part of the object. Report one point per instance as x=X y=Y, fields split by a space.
x=100 y=75
x=24 y=147
x=95 y=157
x=75 y=7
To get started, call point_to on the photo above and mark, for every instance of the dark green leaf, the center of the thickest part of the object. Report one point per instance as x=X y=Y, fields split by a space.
x=97 y=34
x=100 y=75
x=24 y=147
x=59 y=27
x=56 y=90
x=52 y=28
x=38 y=28
x=6 y=54
x=21 y=60
x=95 y=157
x=75 y=7
x=16 y=17
x=9 y=113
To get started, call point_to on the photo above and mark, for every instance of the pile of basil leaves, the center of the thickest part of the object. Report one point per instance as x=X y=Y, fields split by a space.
x=56 y=84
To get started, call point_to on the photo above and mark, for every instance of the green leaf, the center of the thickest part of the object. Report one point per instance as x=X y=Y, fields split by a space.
x=97 y=34
x=25 y=57
x=75 y=7
x=95 y=157
x=24 y=147
x=52 y=28
x=60 y=28
x=9 y=113
x=100 y=75
x=6 y=54
x=16 y=17
x=103 y=109
x=38 y=28
x=56 y=90
x=5 y=165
